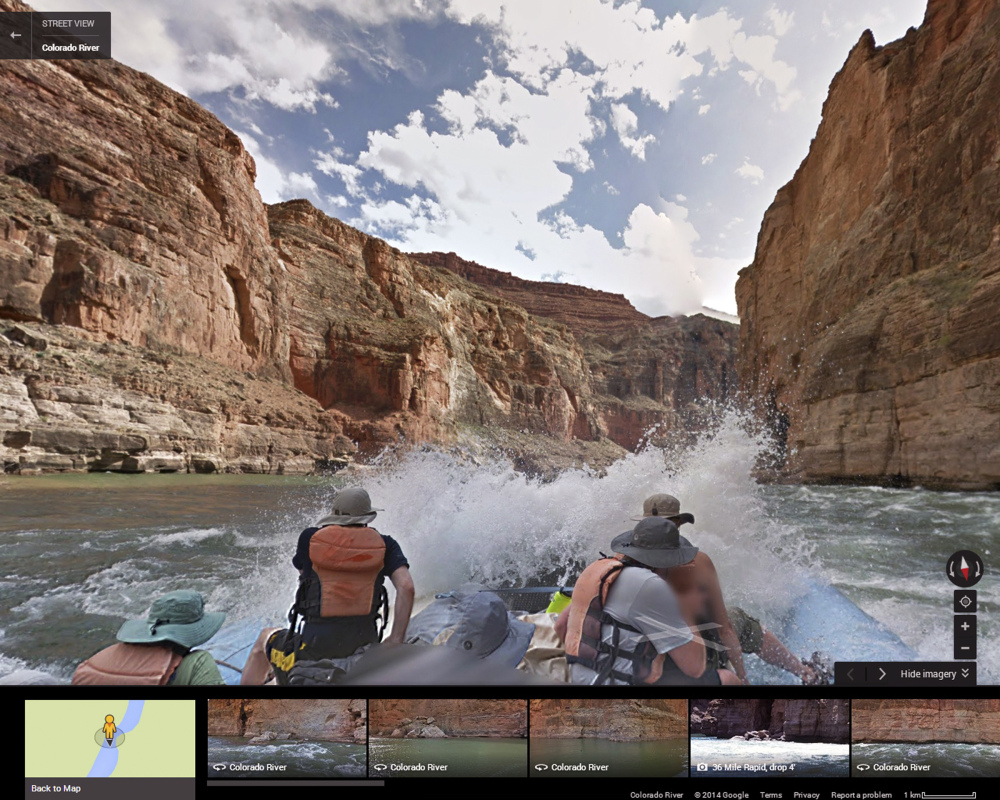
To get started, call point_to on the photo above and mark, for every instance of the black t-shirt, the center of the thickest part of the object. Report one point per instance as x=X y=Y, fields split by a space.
x=394 y=558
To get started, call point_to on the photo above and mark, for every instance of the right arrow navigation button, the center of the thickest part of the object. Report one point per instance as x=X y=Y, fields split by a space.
x=906 y=673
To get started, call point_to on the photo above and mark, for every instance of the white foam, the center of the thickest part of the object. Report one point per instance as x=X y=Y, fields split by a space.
x=185 y=538
x=457 y=519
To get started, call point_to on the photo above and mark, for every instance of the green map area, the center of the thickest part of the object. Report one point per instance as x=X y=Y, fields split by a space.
x=62 y=739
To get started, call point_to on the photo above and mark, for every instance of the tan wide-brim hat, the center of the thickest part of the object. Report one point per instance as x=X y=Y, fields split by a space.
x=664 y=505
x=351 y=506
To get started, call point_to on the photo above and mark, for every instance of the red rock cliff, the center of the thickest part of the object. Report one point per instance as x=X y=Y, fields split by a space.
x=870 y=330
x=155 y=315
x=974 y=721
x=130 y=211
x=407 y=349
x=490 y=718
x=319 y=720
x=644 y=371
x=617 y=720
x=579 y=308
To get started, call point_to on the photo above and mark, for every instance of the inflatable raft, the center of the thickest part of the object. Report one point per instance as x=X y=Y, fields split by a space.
x=822 y=620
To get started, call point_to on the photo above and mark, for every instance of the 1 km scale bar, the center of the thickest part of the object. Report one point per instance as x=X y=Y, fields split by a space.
x=970 y=796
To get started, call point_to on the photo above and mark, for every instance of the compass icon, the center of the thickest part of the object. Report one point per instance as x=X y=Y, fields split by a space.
x=964 y=568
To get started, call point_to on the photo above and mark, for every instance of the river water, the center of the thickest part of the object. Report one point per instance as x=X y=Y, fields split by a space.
x=946 y=760
x=450 y=758
x=654 y=759
x=286 y=759
x=738 y=758
x=80 y=553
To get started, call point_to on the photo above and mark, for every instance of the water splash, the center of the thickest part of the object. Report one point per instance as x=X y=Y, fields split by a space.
x=458 y=518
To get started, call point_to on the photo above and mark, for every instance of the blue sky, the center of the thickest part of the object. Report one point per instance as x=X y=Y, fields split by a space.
x=627 y=146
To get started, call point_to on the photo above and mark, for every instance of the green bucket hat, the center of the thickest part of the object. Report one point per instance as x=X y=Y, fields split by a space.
x=178 y=617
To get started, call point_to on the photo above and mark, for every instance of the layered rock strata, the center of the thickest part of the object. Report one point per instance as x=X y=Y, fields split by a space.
x=267 y=720
x=132 y=238
x=82 y=404
x=650 y=376
x=870 y=337
x=971 y=721
x=454 y=718
x=615 y=720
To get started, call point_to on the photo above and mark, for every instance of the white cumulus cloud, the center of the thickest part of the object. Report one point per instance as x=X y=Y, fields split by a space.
x=750 y=172
x=781 y=21
x=629 y=46
x=626 y=123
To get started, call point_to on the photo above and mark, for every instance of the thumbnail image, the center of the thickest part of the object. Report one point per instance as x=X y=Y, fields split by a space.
x=930 y=738
x=287 y=738
x=109 y=739
x=448 y=738
x=770 y=738
x=609 y=738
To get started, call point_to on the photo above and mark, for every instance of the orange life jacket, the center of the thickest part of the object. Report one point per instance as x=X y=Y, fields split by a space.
x=585 y=643
x=128 y=665
x=347 y=561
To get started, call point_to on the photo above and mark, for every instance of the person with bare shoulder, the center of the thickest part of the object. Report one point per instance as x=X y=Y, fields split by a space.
x=737 y=631
x=625 y=625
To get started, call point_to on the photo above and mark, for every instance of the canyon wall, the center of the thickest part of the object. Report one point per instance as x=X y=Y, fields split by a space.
x=870 y=337
x=155 y=315
x=616 y=720
x=130 y=211
x=489 y=718
x=409 y=350
x=72 y=401
x=973 y=721
x=794 y=720
x=579 y=308
x=669 y=372
x=319 y=720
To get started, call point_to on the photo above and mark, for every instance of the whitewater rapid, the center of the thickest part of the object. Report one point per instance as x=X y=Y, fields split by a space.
x=81 y=553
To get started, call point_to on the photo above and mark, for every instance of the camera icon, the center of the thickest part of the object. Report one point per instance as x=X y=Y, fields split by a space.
x=702 y=768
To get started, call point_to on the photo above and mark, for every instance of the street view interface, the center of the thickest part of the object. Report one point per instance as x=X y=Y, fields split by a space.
x=588 y=395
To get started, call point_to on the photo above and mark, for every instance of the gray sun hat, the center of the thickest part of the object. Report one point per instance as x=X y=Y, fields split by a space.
x=655 y=542
x=351 y=506
x=488 y=631
x=178 y=617
x=664 y=505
